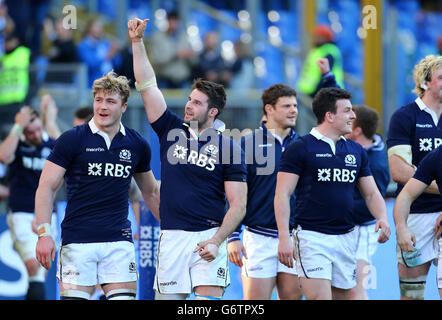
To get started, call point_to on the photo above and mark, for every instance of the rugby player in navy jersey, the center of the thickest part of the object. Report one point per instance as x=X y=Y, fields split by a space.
x=429 y=171
x=416 y=129
x=200 y=169
x=97 y=160
x=261 y=269
x=25 y=150
x=324 y=168
x=364 y=132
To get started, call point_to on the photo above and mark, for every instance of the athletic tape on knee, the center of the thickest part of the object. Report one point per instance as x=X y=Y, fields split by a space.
x=413 y=288
x=74 y=294
x=121 y=294
x=201 y=297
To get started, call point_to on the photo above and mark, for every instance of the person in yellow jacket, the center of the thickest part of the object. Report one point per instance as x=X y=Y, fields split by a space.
x=324 y=47
x=14 y=80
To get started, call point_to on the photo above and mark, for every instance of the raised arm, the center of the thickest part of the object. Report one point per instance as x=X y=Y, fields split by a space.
x=50 y=181
x=153 y=99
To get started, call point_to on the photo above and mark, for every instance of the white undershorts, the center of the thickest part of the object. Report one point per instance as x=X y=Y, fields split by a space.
x=262 y=257
x=427 y=246
x=88 y=264
x=324 y=256
x=367 y=243
x=24 y=239
x=180 y=270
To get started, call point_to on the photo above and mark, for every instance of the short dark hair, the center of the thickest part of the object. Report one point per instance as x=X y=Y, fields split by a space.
x=214 y=91
x=274 y=92
x=85 y=113
x=325 y=101
x=367 y=119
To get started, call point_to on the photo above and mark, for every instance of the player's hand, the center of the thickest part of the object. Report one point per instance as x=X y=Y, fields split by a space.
x=385 y=230
x=48 y=109
x=236 y=249
x=208 y=250
x=286 y=252
x=405 y=238
x=438 y=227
x=136 y=28
x=324 y=65
x=23 y=117
x=45 y=251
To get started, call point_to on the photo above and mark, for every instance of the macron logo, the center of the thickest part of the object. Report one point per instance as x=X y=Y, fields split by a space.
x=94 y=149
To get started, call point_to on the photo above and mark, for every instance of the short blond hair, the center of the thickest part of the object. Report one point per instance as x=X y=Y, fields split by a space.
x=424 y=70
x=113 y=83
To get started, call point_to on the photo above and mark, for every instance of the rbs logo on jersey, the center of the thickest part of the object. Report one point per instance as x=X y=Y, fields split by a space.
x=336 y=175
x=109 y=170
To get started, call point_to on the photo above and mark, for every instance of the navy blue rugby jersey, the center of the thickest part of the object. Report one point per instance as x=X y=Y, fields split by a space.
x=193 y=172
x=416 y=125
x=24 y=173
x=263 y=152
x=377 y=158
x=327 y=179
x=430 y=168
x=98 y=177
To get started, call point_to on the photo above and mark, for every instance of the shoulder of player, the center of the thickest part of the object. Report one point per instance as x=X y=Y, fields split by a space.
x=406 y=111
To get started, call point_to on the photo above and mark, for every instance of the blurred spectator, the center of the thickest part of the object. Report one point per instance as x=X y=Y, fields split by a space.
x=324 y=47
x=241 y=67
x=126 y=67
x=83 y=115
x=172 y=54
x=439 y=43
x=62 y=49
x=14 y=78
x=28 y=16
x=100 y=54
x=210 y=64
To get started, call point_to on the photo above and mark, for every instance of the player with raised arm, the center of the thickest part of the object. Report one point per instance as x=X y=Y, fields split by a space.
x=200 y=168
x=97 y=160
x=324 y=168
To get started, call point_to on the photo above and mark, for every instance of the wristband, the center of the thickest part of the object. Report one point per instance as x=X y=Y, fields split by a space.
x=44 y=230
x=17 y=130
x=152 y=82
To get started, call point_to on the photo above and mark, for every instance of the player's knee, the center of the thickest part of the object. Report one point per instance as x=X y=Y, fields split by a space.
x=413 y=288
x=201 y=297
x=34 y=268
x=121 y=294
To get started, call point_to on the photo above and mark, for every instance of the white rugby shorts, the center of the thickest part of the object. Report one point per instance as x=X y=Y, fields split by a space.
x=23 y=238
x=180 y=270
x=324 y=256
x=427 y=246
x=88 y=264
x=262 y=257
x=367 y=243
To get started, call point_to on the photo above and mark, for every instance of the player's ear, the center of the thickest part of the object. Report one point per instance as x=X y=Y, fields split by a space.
x=213 y=112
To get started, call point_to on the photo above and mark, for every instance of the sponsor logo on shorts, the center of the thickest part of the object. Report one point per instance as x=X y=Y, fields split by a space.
x=170 y=283
x=132 y=267
x=221 y=273
x=315 y=269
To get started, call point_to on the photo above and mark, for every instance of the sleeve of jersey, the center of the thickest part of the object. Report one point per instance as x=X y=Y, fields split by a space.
x=146 y=155
x=365 y=166
x=167 y=121
x=63 y=150
x=426 y=171
x=292 y=160
x=399 y=130
x=236 y=169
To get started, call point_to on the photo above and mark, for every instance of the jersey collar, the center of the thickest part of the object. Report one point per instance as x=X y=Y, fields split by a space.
x=314 y=132
x=423 y=107
x=106 y=138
